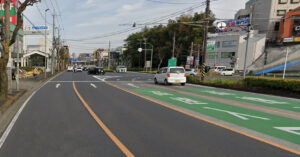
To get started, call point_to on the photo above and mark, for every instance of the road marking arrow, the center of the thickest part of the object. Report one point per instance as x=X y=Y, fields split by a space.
x=58 y=85
x=159 y=93
x=218 y=93
x=239 y=115
x=93 y=85
x=291 y=130
x=296 y=107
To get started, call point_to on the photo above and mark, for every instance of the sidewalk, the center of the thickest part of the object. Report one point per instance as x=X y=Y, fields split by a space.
x=27 y=87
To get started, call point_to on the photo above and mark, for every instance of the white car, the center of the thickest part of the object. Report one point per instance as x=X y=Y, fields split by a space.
x=191 y=72
x=171 y=75
x=218 y=68
x=120 y=69
x=79 y=69
x=227 y=72
x=70 y=68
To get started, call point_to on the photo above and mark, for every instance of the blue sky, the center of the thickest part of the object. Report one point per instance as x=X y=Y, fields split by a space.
x=85 y=19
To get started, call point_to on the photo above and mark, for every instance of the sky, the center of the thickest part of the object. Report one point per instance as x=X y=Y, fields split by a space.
x=89 y=24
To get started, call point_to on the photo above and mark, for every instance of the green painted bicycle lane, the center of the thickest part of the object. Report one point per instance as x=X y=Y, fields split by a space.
x=272 y=125
x=248 y=98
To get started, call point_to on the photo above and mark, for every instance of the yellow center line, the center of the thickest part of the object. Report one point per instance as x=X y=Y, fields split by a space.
x=209 y=121
x=121 y=146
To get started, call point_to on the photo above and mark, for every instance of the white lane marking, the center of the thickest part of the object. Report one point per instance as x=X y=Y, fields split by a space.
x=262 y=100
x=58 y=85
x=93 y=85
x=296 y=107
x=159 y=93
x=292 y=130
x=118 y=79
x=74 y=81
x=238 y=115
x=188 y=101
x=218 y=93
x=132 y=85
x=13 y=121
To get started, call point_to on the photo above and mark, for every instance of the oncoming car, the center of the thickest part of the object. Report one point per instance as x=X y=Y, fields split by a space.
x=120 y=69
x=70 y=68
x=170 y=75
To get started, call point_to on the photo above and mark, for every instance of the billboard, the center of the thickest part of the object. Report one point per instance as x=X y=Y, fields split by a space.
x=36 y=30
x=234 y=25
x=13 y=13
x=296 y=27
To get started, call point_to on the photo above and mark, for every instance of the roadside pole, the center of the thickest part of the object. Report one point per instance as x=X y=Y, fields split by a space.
x=207 y=16
x=108 y=55
x=18 y=55
x=246 y=53
x=174 y=40
x=151 y=57
x=145 y=53
x=45 y=71
x=285 y=64
x=53 y=46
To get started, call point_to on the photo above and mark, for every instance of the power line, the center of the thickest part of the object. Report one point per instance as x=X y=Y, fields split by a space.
x=163 y=2
x=146 y=23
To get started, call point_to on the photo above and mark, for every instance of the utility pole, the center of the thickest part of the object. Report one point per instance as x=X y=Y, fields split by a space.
x=192 y=47
x=198 y=57
x=174 y=40
x=145 y=53
x=53 y=46
x=285 y=63
x=18 y=55
x=246 y=53
x=207 y=16
x=109 y=55
x=46 y=43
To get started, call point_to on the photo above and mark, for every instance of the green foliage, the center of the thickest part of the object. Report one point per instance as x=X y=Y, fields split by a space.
x=271 y=83
x=252 y=83
x=188 y=29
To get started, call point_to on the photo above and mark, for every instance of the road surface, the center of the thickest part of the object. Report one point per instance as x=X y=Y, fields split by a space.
x=125 y=114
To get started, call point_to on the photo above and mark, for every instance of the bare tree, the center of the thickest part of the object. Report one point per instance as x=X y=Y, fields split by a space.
x=8 y=40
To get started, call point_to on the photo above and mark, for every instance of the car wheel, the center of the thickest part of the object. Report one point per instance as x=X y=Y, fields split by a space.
x=166 y=82
x=155 y=81
x=182 y=84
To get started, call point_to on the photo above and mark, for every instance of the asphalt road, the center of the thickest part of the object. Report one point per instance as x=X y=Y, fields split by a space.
x=102 y=120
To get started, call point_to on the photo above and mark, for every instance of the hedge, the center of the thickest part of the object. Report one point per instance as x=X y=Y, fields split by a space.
x=255 y=84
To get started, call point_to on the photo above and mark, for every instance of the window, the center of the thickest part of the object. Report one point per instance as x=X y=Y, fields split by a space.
x=229 y=43
x=281 y=12
x=282 y=1
x=218 y=44
x=227 y=54
x=176 y=70
x=295 y=1
x=277 y=25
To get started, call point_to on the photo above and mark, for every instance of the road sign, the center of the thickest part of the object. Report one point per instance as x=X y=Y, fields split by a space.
x=172 y=62
x=211 y=45
x=36 y=30
x=148 y=64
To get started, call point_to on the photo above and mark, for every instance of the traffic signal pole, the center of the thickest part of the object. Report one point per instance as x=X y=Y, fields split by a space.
x=207 y=15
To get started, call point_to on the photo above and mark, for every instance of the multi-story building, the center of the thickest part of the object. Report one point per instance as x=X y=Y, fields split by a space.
x=265 y=15
x=230 y=49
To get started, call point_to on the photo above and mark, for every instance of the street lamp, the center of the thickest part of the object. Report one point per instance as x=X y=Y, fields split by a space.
x=46 y=42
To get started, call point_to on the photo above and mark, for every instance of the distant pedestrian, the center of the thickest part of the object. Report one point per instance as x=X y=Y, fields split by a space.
x=13 y=76
x=35 y=72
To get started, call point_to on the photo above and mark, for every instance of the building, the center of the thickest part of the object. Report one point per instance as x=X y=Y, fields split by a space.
x=230 y=49
x=265 y=15
x=289 y=30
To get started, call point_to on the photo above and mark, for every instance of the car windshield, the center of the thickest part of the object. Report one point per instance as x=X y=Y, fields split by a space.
x=176 y=70
x=188 y=69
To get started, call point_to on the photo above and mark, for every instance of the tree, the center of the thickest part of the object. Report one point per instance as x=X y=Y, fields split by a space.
x=8 y=40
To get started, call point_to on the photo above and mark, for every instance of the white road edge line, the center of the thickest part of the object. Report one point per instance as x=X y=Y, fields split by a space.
x=13 y=121
x=58 y=85
x=93 y=85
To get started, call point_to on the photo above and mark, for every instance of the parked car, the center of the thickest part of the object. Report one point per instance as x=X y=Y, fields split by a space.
x=171 y=75
x=191 y=72
x=96 y=71
x=78 y=69
x=218 y=68
x=227 y=72
x=70 y=68
x=120 y=69
x=85 y=68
